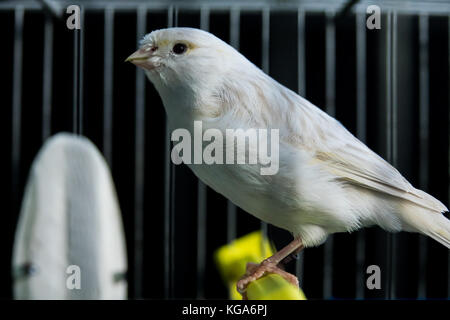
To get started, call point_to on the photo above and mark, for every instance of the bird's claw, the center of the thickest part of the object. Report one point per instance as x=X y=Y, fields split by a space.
x=255 y=271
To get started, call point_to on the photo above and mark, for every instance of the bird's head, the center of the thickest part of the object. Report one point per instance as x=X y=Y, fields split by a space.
x=180 y=57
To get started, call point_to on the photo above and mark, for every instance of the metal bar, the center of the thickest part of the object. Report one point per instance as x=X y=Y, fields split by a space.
x=235 y=26
x=172 y=202
x=301 y=52
x=301 y=76
x=76 y=80
x=266 y=39
x=393 y=284
x=169 y=196
x=361 y=76
x=401 y=6
x=78 y=39
x=391 y=136
x=330 y=80
x=167 y=169
x=423 y=138
x=81 y=72
x=266 y=69
x=330 y=64
x=394 y=90
x=201 y=239
x=388 y=144
x=235 y=22
x=201 y=202
x=17 y=104
x=139 y=163
x=361 y=134
x=47 y=78
x=108 y=85
x=204 y=18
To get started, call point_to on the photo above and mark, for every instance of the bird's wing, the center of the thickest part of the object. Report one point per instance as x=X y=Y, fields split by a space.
x=343 y=155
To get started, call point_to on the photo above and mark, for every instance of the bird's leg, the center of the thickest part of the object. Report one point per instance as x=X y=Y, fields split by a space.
x=269 y=265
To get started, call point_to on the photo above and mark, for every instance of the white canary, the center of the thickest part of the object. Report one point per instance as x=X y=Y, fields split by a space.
x=328 y=181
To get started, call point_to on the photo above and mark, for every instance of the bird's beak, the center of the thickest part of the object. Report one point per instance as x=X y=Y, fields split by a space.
x=141 y=58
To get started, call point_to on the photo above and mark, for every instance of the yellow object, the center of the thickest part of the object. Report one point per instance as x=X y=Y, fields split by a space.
x=232 y=259
x=273 y=287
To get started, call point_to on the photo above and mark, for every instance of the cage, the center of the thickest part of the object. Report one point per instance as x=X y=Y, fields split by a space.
x=388 y=86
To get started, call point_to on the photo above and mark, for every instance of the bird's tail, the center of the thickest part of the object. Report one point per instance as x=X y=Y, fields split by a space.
x=433 y=224
x=439 y=230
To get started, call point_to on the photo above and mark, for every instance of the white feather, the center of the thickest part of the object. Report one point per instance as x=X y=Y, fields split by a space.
x=328 y=181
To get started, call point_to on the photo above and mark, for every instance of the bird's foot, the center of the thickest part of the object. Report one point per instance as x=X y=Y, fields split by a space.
x=256 y=271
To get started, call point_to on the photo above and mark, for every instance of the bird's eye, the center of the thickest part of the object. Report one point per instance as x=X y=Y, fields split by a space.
x=179 y=48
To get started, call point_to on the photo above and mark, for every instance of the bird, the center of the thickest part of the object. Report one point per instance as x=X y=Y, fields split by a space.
x=328 y=181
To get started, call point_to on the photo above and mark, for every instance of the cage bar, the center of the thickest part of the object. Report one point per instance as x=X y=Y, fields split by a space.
x=78 y=46
x=139 y=170
x=108 y=73
x=265 y=68
x=47 y=78
x=300 y=263
x=201 y=202
x=361 y=134
x=423 y=138
x=235 y=26
x=17 y=102
x=330 y=95
x=167 y=194
x=391 y=137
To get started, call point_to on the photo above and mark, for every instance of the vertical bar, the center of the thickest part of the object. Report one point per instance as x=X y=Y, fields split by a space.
x=76 y=73
x=172 y=202
x=169 y=200
x=391 y=119
x=108 y=85
x=265 y=39
x=17 y=103
x=78 y=39
x=301 y=52
x=388 y=278
x=361 y=75
x=330 y=79
x=201 y=240
x=394 y=90
x=361 y=134
x=394 y=250
x=301 y=74
x=204 y=18
x=235 y=21
x=330 y=63
x=423 y=138
x=47 y=78
x=391 y=83
x=139 y=163
x=201 y=202
x=167 y=169
x=265 y=68
x=80 y=71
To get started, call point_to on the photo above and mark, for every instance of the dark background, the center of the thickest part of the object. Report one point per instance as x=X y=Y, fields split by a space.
x=399 y=255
